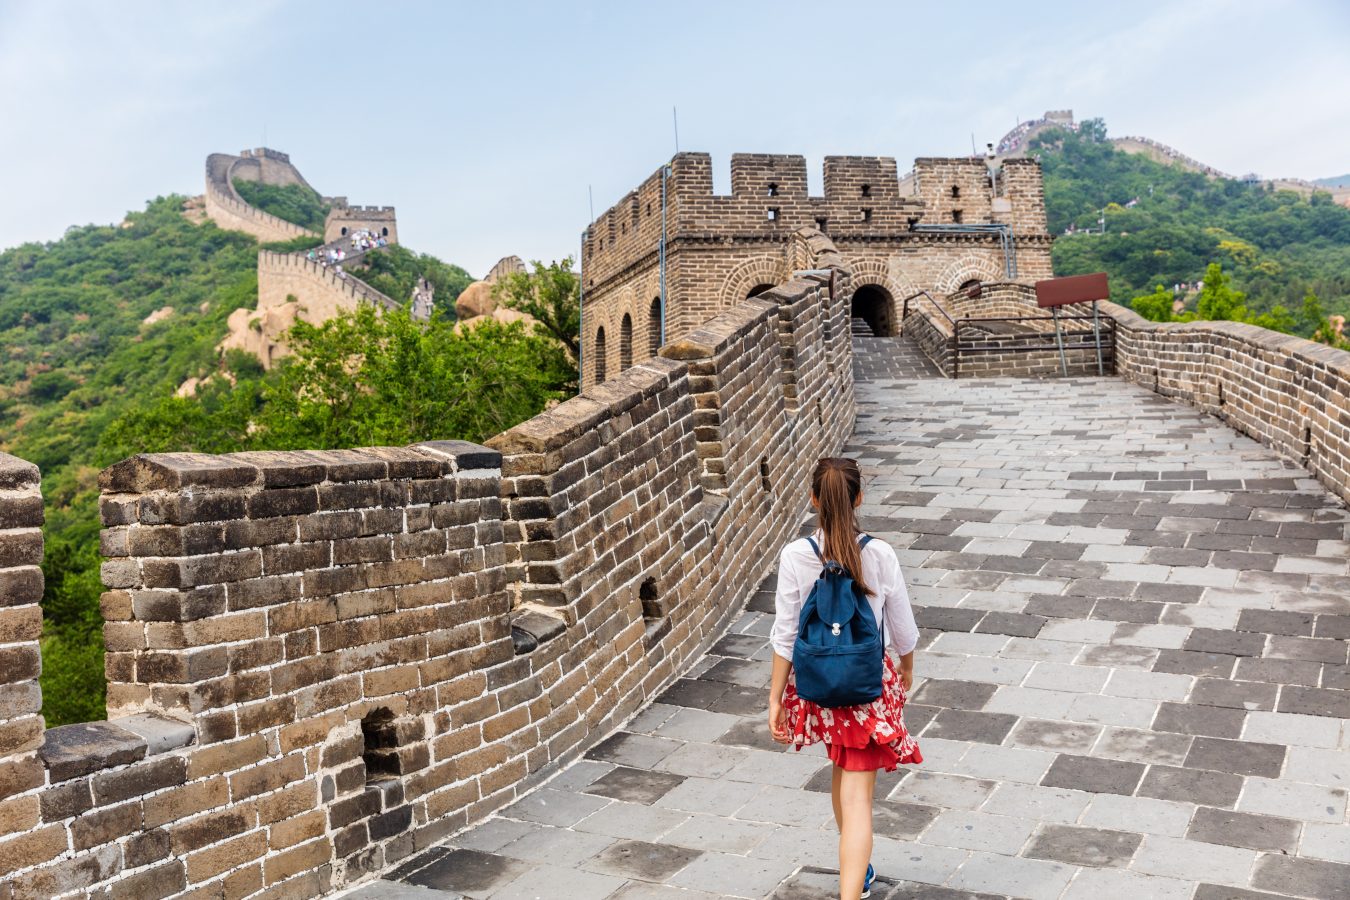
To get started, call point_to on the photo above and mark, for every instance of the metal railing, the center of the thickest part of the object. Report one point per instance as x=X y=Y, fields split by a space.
x=1087 y=339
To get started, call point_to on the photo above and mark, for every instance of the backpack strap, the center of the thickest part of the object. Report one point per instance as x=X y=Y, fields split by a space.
x=814 y=546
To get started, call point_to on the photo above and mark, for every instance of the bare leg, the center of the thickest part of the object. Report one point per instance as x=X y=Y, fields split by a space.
x=855 y=835
x=834 y=798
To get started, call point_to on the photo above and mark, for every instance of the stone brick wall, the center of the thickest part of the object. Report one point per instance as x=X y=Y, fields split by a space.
x=228 y=210
x=320 y=662
x=1289 y=393
x=721 y=249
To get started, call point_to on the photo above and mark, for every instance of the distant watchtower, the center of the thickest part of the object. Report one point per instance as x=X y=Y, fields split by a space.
x=949 y=222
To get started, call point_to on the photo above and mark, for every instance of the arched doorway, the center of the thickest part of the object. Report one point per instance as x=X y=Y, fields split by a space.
x=654 y=327
x=626 y=342
x=758 y=289
x=599 y=355
x=872 y=305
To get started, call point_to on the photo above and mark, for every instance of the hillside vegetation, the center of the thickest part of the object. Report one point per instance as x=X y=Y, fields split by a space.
x=295 y=203
x=84 y=360
x=1166 y=226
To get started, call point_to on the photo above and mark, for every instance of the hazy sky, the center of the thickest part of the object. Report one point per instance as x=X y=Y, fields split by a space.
x=485 y=123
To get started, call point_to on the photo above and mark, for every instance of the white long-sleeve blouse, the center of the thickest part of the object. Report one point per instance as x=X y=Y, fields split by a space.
x=798 y=569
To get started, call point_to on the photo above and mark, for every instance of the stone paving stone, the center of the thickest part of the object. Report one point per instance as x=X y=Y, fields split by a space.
x=634 y=785
x=1144 y=814
x=901 y=821
x=709 y=760
x=1036 y=802
x=1030 y=878
x=1238 y=757
x=642 y=860
x=638 y=890
x=785 y=806
x=1191 y=786
x=770 y=767
x=1109 y=884
x=1212 y=721
x=916 y=862
x=1174 y=858
x=1250 y=695
x=1315 y=702
x=967 y=725
x=1084 y=846
x=1148 y=685
x=1315 y=766
x=1076 y=679
x=732 y=876
x=1288 y=728
x=1189 y=662
x=1279 y=671
x=750 y=734
x=637 y=750
x=695 y=725
x=1236 y=829
x=469 y=872
x=706 y=795
x=719 y=833
x=1310 y=802
x=559 y=881
x=1003 y=763
x=995 y=670
x=632 y=820
x=954 y=694
x=979 y=831
x=947 y=791
x=556 y=846
x=1021 y=701
x=1232 y=643
x=1085 y=773
x=1303 y=877
x=552 y=807
x=1036 y=734
x=1142 y=746
x=1330 y=842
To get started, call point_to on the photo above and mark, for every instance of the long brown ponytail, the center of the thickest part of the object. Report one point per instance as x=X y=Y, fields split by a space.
x=836 y=484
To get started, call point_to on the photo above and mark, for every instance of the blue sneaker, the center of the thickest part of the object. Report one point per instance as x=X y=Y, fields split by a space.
x=867 y=882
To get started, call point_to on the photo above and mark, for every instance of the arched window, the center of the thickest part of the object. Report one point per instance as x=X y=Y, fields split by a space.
x=872 y=305
x=599 y=355
x=626 y=342
x=654 y=327
x=384 y=232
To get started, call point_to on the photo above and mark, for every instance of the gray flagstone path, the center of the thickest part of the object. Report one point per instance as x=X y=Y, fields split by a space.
x=1132 y=681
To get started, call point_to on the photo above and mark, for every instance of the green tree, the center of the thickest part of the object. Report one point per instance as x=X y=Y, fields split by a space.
x=296 y=203
x=1093 y=130
x=551 y=294
x=1156 y=307
x=1218 y=301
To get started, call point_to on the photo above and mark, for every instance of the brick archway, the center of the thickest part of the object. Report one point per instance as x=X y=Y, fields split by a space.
x=749 y=275
x=889 y=280
x=967 y=268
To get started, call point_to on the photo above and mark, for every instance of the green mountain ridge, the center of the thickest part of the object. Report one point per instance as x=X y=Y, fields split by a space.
x=82 y=351
x=1165 y=226
x=1336 y=181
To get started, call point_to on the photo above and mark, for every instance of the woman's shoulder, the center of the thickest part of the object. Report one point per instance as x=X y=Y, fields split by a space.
x=880 y=547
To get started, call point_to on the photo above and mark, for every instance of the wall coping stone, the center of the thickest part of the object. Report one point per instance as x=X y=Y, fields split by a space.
x=70 y=751
x=17 y=473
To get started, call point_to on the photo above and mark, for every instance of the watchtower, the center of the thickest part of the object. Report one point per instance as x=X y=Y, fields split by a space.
x=672 y=254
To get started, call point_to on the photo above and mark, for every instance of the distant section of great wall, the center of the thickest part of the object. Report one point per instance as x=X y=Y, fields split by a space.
x=1016 y=142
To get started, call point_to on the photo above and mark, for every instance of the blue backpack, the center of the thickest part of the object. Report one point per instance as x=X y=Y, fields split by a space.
x=839 y=653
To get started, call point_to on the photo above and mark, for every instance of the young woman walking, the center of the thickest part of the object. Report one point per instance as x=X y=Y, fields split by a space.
x=860 y=739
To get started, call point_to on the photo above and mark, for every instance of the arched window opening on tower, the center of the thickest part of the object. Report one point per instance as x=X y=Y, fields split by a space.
x=956 y=191
x=384 y=232
x=867 y=215
x=821 y=223
x=773 y=189
x=872 y=305
x=654 y=327
x=867 y=190
x=773 y=213
x=956 y=216
x=626 y=342
x=757 y=290
x=599 y=355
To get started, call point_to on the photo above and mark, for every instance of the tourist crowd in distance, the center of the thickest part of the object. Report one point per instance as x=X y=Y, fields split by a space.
x=334 y=254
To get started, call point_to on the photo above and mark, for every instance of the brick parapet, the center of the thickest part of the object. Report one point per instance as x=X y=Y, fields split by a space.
x=312 y=670
x=1289 y=393
x=326 y=288
x=228 y=210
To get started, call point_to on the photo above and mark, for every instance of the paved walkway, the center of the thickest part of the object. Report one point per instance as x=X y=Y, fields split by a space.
x=1133 y=681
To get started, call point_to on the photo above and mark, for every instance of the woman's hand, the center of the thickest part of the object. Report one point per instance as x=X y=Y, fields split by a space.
x=778 y=721
x=907 y=671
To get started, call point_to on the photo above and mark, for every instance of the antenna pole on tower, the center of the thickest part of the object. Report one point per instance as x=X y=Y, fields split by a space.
x=675 y=117
x=590 y=198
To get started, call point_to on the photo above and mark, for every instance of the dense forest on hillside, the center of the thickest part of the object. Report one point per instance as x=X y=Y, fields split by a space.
x=99 y=329
x=1166 y=226
x=295 y=203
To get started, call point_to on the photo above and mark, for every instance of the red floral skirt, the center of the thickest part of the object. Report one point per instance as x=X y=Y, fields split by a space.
x=860 y=738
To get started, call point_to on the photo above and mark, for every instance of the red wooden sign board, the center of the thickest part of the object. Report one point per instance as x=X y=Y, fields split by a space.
x=1072 y=289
